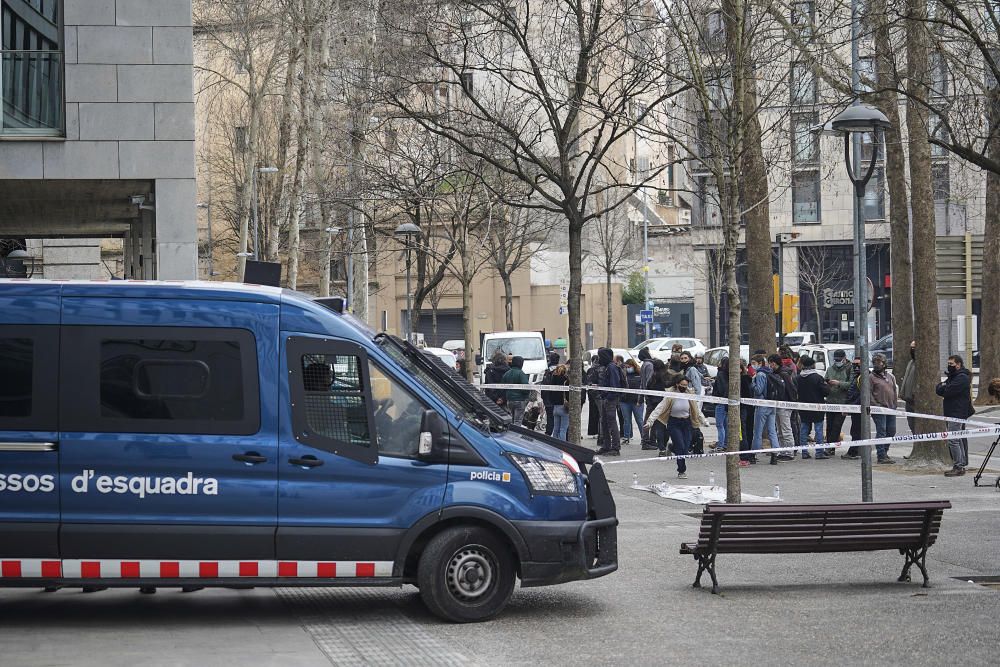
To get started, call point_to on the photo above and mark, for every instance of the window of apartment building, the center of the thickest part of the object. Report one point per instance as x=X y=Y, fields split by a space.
x=466 y=80
x=715 y=29
x=802 y=84
x=802 y=16
x=805 y=197
x=938 y=131
x=940 y=181
x=31 y=67
x=720 y=89
x=938 y=74
x=989 y=76
x=875 y=196
x=805 y=142
x=866 y=74
x=707 y=212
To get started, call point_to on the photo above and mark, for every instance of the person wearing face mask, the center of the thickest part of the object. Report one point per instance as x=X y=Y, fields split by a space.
x=631 y=405
x=838 y=378
x=854 y=398
x=956 y=391
x=681 y=417
x=909 y=385
x=884 y=394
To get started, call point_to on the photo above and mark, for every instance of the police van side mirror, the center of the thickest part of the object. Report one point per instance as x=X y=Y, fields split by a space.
x=479 y=360
x=431 y=430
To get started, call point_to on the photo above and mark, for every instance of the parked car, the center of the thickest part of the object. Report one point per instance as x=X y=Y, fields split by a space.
x=660 y=347
x=883 y=345
x=715 y=355
x=797 y=339
x=823 y=354
x=444 y=355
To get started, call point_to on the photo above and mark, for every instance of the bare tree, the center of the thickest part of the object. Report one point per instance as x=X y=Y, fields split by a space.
x=513 y=235
x=925 y=299
x=542 y=93
x=614 y=253
x=245 y=49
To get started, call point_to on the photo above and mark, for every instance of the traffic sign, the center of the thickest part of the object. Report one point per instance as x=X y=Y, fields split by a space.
x=646 y=316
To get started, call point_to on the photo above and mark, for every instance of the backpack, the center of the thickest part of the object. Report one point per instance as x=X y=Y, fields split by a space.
x=775 y=390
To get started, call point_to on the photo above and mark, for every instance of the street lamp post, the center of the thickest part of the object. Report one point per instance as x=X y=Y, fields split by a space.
x=256 y=206
x=407 y=231
x=851 y=123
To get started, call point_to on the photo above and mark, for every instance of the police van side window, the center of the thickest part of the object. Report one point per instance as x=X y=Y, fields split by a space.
x=16 y=364
x=161 y=380
x=398 y=416
x=333 y=398
x=28 y=377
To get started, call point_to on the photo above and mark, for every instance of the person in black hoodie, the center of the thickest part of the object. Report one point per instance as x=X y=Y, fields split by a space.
x=609 y=378
x=645 y=375
x=812 y=388
x=551 y=398
x=956 y=391
x=720 y=389
x=656 y=437
x=494 y=375
x=593 y=414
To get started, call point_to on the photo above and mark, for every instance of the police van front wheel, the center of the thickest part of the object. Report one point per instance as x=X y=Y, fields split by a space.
x=466 y=574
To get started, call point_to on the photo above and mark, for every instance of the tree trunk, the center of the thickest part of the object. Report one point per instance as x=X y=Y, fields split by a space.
x=306 y=110
x=989 y=341
x=610 y=313
x=731 y=235
x=284 y=142
x=467 y=326
x=756 y=196
x=931 y=454
x=249 y=173
x=573 y=306
x=901 y=268
x=508 y=303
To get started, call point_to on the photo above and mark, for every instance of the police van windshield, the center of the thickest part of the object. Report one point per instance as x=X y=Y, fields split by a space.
x=526 y=348
x=442 y=381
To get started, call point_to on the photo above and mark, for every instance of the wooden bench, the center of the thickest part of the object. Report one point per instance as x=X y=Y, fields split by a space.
x=781 y=529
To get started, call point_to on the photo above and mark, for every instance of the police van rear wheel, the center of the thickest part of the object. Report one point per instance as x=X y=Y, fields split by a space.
x=466 y=575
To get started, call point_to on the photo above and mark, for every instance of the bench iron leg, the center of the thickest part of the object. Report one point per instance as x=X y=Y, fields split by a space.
x=701 y=568
x=915 y=557
x=711 y=570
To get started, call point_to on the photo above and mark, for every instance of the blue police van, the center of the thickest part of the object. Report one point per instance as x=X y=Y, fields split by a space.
x=206 y=434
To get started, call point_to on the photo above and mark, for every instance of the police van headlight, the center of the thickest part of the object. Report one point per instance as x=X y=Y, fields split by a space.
x=551 y=478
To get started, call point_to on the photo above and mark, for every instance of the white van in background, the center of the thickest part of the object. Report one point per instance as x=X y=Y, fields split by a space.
x=527 y=344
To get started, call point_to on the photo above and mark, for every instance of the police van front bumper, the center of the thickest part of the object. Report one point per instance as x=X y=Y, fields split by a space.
x=563 y=551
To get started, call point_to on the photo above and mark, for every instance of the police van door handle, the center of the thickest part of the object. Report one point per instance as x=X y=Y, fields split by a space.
x=306 y=461
x=250 y=458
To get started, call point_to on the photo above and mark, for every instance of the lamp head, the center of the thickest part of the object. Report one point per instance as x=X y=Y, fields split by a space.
x=407 y=230
x=859 y=118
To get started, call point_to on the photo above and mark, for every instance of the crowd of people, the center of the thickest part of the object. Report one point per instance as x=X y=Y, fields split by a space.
x=674 y=425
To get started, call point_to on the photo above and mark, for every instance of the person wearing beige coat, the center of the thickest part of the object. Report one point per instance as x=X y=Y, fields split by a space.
x=680 y=417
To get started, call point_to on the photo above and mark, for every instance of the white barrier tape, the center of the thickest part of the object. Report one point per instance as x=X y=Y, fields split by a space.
x=757 y=402
x=944 y=435
x=879 y=410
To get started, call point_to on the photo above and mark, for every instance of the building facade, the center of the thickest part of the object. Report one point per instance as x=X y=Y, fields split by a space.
x=97 y=137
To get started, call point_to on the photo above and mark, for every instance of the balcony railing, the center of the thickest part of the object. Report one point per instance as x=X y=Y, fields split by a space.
x=32 y=87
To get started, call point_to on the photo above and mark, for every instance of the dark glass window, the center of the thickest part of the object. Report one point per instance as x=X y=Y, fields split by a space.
x=176 y=380
x=31 y=67
x=805 y=197
x=16 y=371
x=333 y=398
